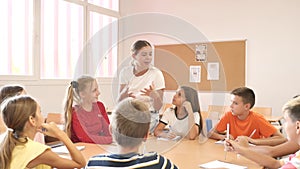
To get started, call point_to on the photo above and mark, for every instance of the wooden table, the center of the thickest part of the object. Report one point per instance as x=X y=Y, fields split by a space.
x=186 y=154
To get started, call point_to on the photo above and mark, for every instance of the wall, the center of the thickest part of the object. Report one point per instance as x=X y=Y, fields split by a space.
x=51 y=94
x=270 y=27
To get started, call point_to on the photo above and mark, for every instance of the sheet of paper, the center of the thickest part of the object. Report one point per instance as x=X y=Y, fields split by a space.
x=213 y=71
x=166 y=139
x=64 y=150
x=221 y=164
x=222 y=142
x=201 y=52
x=195 y=74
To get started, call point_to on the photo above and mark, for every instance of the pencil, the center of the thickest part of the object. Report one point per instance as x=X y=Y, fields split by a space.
x=252 y=133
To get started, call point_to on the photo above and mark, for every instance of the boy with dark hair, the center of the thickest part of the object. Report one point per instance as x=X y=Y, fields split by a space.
x=245 y=123
x=291 y=111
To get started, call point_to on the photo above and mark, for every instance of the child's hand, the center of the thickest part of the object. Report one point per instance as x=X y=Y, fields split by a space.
x=243 y=140
x=224 y=137
x=51 y=129
x=171 y=135
x=230 y=145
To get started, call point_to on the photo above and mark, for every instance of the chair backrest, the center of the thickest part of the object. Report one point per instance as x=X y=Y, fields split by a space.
x=55 y=117
x=219 y=109
x=204 y=114
x=165 y=107
x=265 y=111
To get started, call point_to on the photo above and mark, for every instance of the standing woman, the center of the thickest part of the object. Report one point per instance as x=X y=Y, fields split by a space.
x=22 y=115
x=86 y=119
x=142 y=80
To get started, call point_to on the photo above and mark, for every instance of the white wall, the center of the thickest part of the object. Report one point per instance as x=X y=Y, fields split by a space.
x=51 y=94
x=271 y=28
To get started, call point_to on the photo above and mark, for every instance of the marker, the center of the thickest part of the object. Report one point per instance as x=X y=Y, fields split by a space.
x=227 y=136
x=227 y=131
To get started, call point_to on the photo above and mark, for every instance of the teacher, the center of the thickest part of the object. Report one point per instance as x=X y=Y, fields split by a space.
x=142 y=80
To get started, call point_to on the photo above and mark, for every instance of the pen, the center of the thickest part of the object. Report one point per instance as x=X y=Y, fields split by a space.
x=227 y=136
x=252 y=133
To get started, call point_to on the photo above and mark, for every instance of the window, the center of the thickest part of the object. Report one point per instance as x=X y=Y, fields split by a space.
x=113 y=5
x=103 y=51
x=61 y=29
x=16 y=37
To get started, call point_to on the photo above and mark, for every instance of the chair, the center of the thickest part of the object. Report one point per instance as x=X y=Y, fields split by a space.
x=59 y=120
x=219 y=109
x=267 y=113
x=55 y=117
x=164 y=108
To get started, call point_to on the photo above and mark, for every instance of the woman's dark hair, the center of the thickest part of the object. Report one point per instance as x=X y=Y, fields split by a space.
x=136 y=46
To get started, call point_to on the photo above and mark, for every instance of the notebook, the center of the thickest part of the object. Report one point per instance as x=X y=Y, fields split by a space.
x=221 y=164
x=64 y=150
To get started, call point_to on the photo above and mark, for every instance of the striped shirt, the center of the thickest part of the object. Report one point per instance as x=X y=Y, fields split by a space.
x=132 y=160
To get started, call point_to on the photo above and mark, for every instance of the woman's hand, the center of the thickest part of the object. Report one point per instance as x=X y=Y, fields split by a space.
x=125 y=93
x=147 y=91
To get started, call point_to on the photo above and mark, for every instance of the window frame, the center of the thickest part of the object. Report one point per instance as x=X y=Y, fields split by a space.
x=36 y=45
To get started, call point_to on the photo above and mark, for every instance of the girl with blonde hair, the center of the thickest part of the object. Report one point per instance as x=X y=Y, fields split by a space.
x=85 y=116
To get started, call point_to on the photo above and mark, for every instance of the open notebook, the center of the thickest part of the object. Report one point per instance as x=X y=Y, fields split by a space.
x=64 y=150
x=221 y=164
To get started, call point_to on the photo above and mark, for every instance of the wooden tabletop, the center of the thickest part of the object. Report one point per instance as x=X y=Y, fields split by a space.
x=184 y=153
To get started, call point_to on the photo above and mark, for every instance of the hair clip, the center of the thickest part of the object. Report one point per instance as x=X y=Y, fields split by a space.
x=10 y=129
x=74 y=84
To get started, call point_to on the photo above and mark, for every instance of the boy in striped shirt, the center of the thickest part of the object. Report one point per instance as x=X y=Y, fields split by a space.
x=130 y=127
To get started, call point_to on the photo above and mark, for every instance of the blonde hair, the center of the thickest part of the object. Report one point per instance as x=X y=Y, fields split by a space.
x=73 y=96
x=16 y=112
x=292 y=107
x=131 y=122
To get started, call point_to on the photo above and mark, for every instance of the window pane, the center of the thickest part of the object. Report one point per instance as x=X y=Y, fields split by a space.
x=61 y=38
x=16 y=35
x=109 y=4
x=103 y=50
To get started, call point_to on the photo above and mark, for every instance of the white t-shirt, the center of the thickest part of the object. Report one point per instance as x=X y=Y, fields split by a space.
x=136 y=83
x=178 y=126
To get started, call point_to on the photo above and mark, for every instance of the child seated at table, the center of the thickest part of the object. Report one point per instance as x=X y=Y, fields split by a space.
x=291 y=111
x=86 y=119
x=23 y=118
x=245 y=123
x=130 y=127
x=185 y=119
x=6 y=92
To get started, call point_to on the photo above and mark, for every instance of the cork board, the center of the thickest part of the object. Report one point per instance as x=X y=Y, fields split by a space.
x=175 y=61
